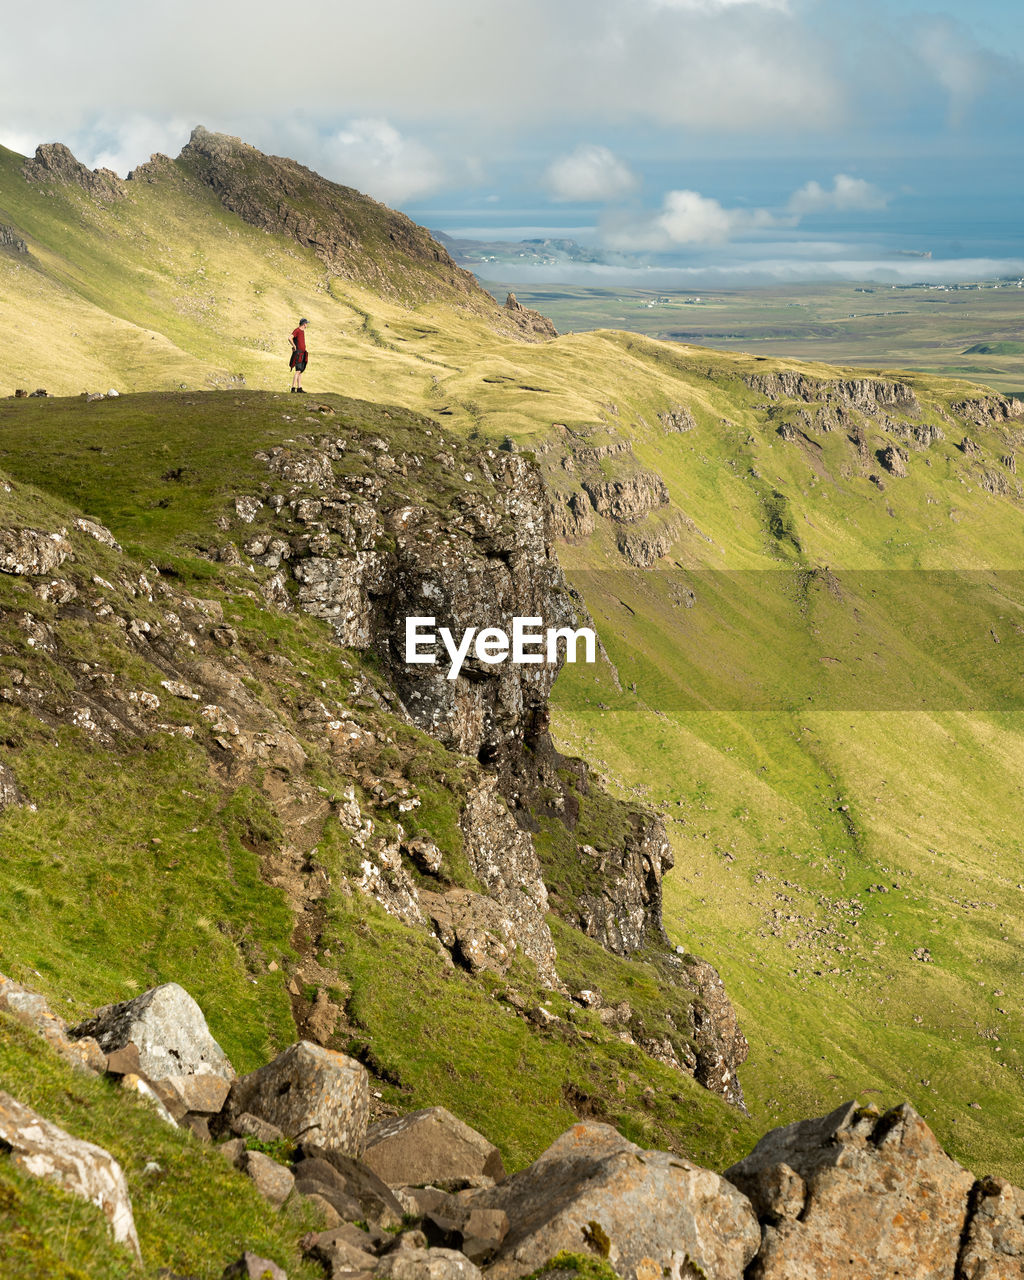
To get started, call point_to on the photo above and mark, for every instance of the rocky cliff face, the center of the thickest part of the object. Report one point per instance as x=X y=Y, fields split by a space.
x=866 y=394
x=334 y=221
x=53 y=162
x=361 y=532
x=9 y=239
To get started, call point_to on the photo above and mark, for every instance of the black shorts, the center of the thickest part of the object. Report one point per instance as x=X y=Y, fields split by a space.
x=298 y=361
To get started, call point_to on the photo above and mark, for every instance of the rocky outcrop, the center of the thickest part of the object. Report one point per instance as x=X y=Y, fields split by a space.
x=478 y=564
x=572 y=515
x=167 y=1028
x=627 y=498
x=10 y=793
x=647 y=1212
x=719 y=1045
x=529 y=321
x=32 y=552
x=45 y=1151
x=624 y=911
x=430 y=1147
x=503 y=859
x=473 y=928
x=677 y=418
x=894 y=459
x=986 y=410
x=868 y=395
x=308 y=1092
x=355 y=236
x=856 y=1195
x=9 y=239
x=643 y=547
x=54 y=163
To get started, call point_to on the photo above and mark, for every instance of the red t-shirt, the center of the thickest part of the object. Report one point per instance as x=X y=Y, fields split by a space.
x=299 y=338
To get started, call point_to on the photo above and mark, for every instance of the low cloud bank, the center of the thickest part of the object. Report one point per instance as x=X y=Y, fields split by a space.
x=769 y=271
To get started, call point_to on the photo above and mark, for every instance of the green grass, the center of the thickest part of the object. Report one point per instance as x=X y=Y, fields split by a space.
x=193 y=1213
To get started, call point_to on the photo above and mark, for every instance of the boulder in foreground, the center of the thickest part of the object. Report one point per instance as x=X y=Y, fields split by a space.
x=45 y=1151
x=649 y=1213
x=430 y=1146
x=309 y=1093
x=856 y=1196
x=169 y=1030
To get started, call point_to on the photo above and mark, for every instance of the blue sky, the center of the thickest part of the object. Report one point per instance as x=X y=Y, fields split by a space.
x=807 y=136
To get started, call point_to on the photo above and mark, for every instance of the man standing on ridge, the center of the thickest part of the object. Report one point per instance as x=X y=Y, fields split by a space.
x=300 y=356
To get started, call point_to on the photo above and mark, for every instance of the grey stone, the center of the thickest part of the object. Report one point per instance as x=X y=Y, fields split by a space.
x=352 y=1179
x=168 y=1028
x=273 y=1181
x=648 y=1212
x=426 y=1264
x=250 y=1266
x=429 y=1146
x=308 y=1092
x=249 y=1126
x=45 y=1151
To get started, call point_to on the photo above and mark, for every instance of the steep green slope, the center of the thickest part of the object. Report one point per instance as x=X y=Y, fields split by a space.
x=151 y=849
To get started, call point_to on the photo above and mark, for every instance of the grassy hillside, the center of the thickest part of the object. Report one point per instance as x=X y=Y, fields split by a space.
x=827 y=825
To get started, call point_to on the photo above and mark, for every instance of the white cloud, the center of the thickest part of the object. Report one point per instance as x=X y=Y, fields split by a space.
x=706 y=6
x=374 y=157
x=590 y=175
x=846 y=195
x=687 y=218
x=704 y=63
x=957 y=62
x=23 y=142
x=123 y=144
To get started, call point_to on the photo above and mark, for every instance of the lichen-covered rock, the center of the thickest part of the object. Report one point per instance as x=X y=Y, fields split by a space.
x=473 y=928
x=45 y=1151
x=426 y=1264
x=719 y=1044
x=993 y=1242
x=628 y=498
x=504 y=860
x=430 y=1146
x=10 y=792
x=32 y=551
x=649 y=1213
x=273 y=1181
x=855 y=1196
x=169 y=1029
x=623 y=912
x=98 y=531
x=308 y=1092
